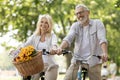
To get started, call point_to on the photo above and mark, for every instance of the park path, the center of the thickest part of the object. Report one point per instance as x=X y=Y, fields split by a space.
x=117 y=78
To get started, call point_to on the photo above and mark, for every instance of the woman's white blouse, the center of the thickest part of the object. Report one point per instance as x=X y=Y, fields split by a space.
x=47 y=44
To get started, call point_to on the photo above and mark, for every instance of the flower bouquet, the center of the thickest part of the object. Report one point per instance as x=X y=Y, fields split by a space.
x=28 y=61
x=25 y=54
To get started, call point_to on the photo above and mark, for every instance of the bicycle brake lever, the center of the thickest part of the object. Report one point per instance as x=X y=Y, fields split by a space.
x=45 y=52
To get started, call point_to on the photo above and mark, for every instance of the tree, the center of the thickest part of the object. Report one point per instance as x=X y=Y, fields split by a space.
x=118 y=3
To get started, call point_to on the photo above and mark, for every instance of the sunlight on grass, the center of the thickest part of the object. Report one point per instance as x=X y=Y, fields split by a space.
x=60 y=76
x=10 y=78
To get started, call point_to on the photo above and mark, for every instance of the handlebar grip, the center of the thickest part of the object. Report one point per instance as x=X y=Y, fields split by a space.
x=66 y=52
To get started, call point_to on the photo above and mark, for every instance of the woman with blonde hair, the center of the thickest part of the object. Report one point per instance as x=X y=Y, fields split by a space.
x=44 y=38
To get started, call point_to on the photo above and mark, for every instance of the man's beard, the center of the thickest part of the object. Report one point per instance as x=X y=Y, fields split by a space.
x=83 y=20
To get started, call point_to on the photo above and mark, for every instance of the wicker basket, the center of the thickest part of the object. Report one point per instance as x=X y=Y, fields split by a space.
x=33 y=66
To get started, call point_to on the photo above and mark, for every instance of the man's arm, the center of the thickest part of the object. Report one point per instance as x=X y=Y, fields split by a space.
x=101 y=33
x=105 y=51
x=63 y=45
x=104 y=47
x=68 y=39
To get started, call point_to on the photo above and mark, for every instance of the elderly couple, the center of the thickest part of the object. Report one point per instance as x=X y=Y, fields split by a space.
x=89 y=36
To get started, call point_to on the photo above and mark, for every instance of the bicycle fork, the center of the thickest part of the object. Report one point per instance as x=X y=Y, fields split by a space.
x=81 y=73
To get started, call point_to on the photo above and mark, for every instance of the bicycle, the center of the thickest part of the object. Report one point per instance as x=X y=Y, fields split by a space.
x=83 y=72
x=42 y=74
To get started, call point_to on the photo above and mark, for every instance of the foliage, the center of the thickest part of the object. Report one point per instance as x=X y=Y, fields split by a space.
x=118 y=3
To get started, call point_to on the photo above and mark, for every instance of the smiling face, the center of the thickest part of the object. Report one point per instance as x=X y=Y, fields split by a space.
x=44 y=26
x=82 y=15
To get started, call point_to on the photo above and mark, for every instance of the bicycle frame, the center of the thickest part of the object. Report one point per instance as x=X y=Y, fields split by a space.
x=82 y=71
x=82 y=74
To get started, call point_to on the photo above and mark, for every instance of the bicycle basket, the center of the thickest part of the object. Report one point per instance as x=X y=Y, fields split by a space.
x=33 y=66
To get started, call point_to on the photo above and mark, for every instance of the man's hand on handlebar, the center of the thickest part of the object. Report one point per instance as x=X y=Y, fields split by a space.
x=59 y=51
x=53 y=51
x=62 y=47
x=104 y=57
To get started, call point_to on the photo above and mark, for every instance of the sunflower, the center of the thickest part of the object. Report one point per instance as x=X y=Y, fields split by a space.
x=25 y=54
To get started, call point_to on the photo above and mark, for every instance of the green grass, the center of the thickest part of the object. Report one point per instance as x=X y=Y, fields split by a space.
x=10 y=78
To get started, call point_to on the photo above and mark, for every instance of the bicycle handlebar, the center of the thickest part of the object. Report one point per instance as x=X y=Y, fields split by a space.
x=63 y=52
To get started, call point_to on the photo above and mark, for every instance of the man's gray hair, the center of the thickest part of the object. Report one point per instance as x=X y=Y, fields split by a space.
x=83 y=6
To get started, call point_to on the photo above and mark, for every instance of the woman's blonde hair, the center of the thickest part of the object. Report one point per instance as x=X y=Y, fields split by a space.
x=50 y=23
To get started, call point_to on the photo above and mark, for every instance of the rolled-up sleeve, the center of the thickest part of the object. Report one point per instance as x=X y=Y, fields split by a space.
x=101 y=32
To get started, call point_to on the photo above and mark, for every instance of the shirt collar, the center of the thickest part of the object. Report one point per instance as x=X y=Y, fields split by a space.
x=90 y=23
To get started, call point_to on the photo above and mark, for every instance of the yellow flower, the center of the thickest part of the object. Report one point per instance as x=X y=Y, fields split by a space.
x=26 y=54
